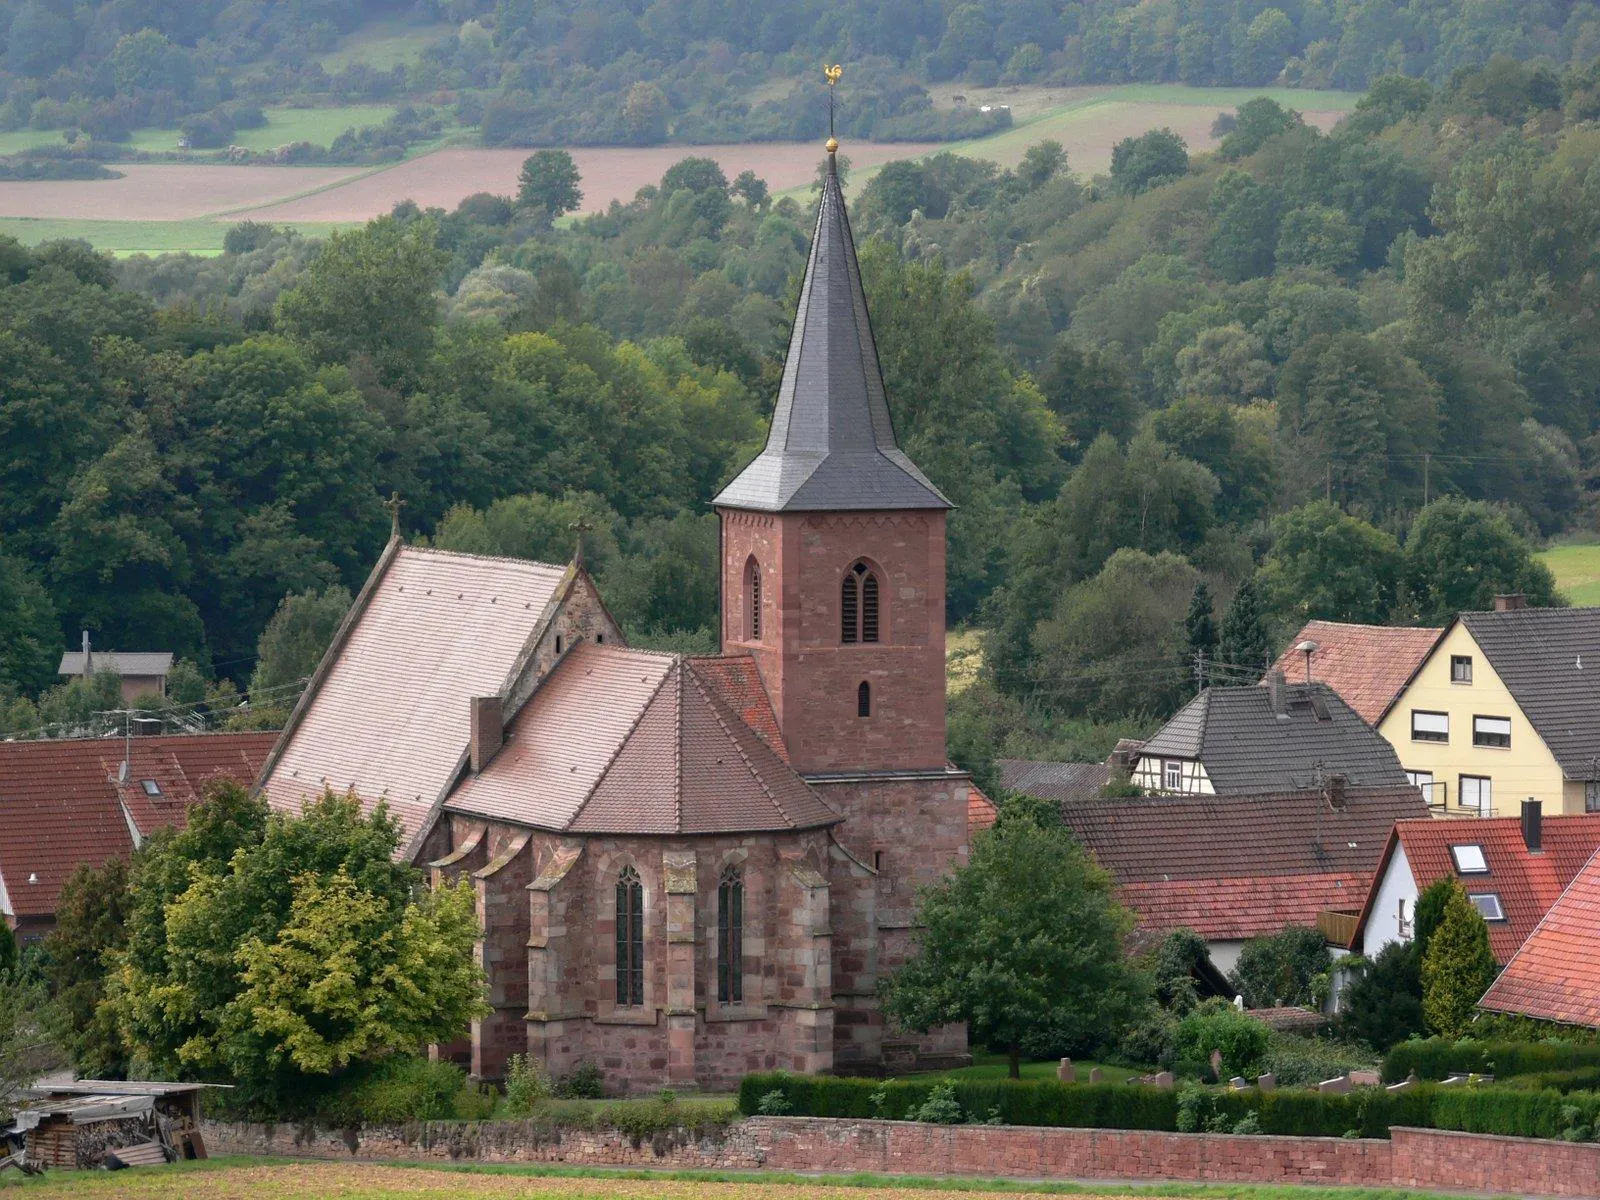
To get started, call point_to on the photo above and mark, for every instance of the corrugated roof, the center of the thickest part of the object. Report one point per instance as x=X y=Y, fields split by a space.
x=123 y=662
x=1368 y=665
x=1058 y=781
x=1247 y=747
x=1555 y=976
x=59 y=801
x=1549 y=658
x=1527 y=883
x=831 y=445
x=1235 y=867
x=631 y=741
x=389 y=717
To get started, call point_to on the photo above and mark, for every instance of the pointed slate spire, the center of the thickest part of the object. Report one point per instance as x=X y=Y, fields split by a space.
x=831 y=445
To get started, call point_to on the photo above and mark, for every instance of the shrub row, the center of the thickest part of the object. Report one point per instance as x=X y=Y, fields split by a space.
x=1438 y=1058
x=1368 y=1112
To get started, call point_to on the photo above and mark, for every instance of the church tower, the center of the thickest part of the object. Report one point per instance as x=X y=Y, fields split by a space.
x=833 y=543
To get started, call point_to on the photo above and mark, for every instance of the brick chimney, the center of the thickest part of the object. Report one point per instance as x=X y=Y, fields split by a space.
x=1510 y=601
x=1336 y=785
x=488 y=730
x=1275 y=691
x=1533 y=825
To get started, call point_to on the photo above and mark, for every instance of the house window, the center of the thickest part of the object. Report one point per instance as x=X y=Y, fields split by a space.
x=858 y=605
x=752 y=600
x=630 y=938
x=730 y=937
x=559 y=644
x=1488 y=906
x=1469 y=860
x=1591 y=795
x=1404 y=921
x=864 y=699
x=1477 y=792
x=1174 y=775
x=1429 y=726
x=151 y=787
x=1461 y=668
x=1423 y=781
x=1491 y=731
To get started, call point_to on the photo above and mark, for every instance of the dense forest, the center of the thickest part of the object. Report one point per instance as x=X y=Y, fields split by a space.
x=560 y=72
x=1181 y=407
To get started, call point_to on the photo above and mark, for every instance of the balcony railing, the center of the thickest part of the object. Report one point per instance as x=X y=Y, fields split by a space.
x=1338 y=927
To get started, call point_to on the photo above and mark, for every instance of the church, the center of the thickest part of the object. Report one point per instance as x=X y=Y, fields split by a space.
x=687 y=867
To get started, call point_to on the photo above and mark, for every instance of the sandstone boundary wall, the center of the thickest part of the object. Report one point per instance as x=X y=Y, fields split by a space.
x=1421 y=1158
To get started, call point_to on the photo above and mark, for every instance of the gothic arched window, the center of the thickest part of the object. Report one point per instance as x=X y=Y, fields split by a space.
x=752 y=600
x=858 y=605
x=730 y=937
x=864 y=699
x=630 y=938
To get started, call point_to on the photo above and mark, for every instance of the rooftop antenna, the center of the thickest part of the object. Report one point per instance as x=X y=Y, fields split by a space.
x=1308 y=648
x=831 y=74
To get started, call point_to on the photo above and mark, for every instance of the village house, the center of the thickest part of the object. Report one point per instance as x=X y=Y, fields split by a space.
x=1513 y=870
x=1555 y=976
x=72 y=801
x=688 y=868
x=1240 y=741
x=1505 y=707
x=143 y=672
x=1240 y=867
x=1368 y=665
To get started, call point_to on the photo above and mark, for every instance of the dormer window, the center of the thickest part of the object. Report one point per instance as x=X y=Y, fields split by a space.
x=858 y=605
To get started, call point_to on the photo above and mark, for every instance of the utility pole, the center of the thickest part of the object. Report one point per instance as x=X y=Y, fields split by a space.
x=1199 y=671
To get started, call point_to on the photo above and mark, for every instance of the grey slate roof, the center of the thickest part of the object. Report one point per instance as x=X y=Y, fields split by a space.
x=1056 y=781
x=123 y=662
x=1549 y=658
x=1247 y=748
x=831 y=445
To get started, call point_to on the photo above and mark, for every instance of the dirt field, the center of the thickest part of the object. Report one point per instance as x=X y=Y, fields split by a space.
x=162 y=192
x=369 y=1182
x=446 y=177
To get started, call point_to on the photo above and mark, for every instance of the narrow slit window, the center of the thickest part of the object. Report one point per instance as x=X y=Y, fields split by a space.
x=730 y=937
x=630 y=938
x=864 y=699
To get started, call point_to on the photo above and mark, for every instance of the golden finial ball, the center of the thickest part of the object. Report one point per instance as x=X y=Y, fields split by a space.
x=831 y=145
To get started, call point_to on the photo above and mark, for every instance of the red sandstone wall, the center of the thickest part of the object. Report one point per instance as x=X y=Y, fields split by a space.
x=1415 y=1158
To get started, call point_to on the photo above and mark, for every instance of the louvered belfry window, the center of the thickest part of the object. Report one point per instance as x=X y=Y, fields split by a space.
x=630 y=938
x=730 y=937
x=752 y=600
x=858 y=605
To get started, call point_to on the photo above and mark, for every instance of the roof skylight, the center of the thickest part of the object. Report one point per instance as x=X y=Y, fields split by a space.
x=1469 y=860
x=1488 y=906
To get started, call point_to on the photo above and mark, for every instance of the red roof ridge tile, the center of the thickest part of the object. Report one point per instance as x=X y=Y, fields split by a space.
x=761 y=782
x=622 y=742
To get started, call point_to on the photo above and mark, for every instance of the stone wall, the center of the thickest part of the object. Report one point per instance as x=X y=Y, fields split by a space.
x=1417 y=1158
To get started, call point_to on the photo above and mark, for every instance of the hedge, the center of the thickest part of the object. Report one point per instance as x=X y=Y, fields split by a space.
x=1370 y=1112
x=1438 y=1058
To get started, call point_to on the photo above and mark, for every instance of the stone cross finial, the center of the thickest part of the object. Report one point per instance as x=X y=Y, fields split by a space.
x=394 y=504
x=579 y=528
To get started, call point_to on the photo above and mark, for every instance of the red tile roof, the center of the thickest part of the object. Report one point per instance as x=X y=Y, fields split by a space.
x=1555 y=976
x=632 y=741
x=1527 y=884
x=737 y=681
x=1368 y=665
x=1232 y=868
x=388 y=715
x=981 y=811
x=60 y=804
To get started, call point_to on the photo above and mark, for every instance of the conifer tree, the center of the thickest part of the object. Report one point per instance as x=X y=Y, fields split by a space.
x=1200 y=625
x=1243 y=642
x=1457 y=968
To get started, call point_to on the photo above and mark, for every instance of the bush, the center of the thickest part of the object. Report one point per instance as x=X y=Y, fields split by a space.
x=1384 y=1005
x=1296 y=1061
x=1217 y=1025
x=583 y=1082
x=1281 y=969
x=1438 y=1058
x=403 y=1088
x=940 y=1108
x=526 y=1085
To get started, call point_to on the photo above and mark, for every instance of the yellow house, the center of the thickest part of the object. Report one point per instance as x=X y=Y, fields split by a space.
x=1505 y=708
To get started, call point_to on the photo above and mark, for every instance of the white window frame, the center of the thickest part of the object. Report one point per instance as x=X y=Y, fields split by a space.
x=1492 y=898
x=1480 y=788
x=1460 y=659
x=1439 y=734
x=1473 y=862
x=1424 y=782
x=1491 y=727
x=1171 y=767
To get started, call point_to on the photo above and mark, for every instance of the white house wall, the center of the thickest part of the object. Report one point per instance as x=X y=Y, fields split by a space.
x=1383 y=923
